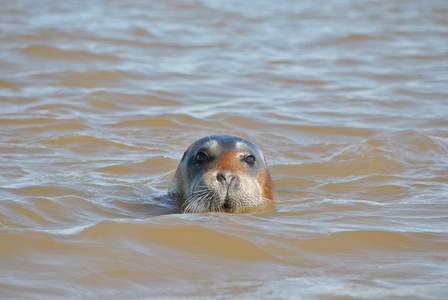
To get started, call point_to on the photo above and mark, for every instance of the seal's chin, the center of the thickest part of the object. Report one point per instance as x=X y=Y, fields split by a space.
x=209 y=200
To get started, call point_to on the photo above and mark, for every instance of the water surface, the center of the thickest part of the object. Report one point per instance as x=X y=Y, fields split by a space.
x=347 y=99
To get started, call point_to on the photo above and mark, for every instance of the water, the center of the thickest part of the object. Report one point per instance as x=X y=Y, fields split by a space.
x=347 y=99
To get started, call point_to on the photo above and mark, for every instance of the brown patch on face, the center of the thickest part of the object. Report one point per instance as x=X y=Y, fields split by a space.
x=266 y=185
x=227 y=161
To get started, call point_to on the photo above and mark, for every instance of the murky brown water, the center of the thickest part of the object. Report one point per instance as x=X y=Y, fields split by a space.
x=348 y=100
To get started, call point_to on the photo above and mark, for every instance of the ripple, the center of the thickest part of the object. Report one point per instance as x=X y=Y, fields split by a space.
x=50 y=52
x=87 y=144
x=179 y=237
x=350 y=242
x=12 y=171
x=347 y=101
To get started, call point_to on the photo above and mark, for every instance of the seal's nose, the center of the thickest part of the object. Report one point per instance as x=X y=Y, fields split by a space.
x=225 y=178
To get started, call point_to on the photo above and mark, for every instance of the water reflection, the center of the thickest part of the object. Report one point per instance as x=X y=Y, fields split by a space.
x=346 y=99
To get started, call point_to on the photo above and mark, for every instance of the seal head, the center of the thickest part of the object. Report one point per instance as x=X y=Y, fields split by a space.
x=222 y=172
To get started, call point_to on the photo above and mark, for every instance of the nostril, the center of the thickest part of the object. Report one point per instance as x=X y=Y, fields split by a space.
x=221 y=178
x=225 y=178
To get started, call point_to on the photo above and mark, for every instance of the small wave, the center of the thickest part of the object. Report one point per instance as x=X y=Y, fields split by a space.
x=12 y=171
x=17 y=120
x=53 y=207
x=40 y=123
x=358 y=241
x=166 y=121
x=181 y=237
x=153 y=121
x=160 y=163
x=42 y=190
x=390 y=152
x=66 y=54
x=86 y=143
x=351 y=38
x=409 y=146
x=9 y=84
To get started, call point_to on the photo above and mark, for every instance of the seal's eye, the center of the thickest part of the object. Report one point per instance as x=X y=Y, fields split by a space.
x=250 y=160
x=201 y=157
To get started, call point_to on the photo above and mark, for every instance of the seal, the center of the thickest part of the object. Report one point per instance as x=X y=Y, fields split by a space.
x=222 y=173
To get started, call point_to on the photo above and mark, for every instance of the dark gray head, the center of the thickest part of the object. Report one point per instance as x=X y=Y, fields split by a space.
x=222 y=172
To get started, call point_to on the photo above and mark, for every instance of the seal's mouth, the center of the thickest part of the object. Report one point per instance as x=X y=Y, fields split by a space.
x=233 y=200
x=226 y=204
x=209 y=200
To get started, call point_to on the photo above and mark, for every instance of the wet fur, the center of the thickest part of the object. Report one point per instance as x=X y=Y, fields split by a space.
x=198 y=190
